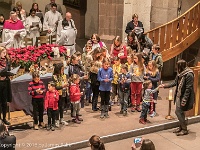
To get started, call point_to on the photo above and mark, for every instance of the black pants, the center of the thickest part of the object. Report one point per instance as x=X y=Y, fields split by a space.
x=105 y=97
x=38 y=109
x=51 y=116
x=95 y=91
x=3 y=109
x=61 y=104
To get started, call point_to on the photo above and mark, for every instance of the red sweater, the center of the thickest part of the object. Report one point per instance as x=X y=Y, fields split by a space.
x=75 y=93
x=51 y=100
x=33 y=86
x=121 y=49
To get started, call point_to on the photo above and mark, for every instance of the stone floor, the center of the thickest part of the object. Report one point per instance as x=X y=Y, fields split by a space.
x=92 y=124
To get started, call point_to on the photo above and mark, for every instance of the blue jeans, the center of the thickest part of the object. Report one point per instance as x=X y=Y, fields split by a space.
x=145 y=107
x=88 y=91
x=124 y=97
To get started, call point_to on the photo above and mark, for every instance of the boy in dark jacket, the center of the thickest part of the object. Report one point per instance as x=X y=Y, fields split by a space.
x=124 y=88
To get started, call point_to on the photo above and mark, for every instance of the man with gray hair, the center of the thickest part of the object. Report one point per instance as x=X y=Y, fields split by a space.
x=13 y=31
x=67 y=37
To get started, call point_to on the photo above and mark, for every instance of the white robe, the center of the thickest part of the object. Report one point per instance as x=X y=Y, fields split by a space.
x=50 y=19
x=35 y=31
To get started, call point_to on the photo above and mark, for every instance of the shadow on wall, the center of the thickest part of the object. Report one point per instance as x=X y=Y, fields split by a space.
x=5 y=9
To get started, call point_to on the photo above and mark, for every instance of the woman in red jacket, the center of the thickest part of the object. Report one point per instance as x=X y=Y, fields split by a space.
x=75 y=97
x=118 y=49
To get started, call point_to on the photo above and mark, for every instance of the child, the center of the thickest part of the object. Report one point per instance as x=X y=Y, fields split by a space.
x=105 y=53
x=137 y=70
x=37 y=89
x=105 y=77
x=153 y=75
x=129 y=61
x=147 y=98
x=115 y=86
x=75 y=97
x=51 y=105
x=155 y=55
x=118 y=49
x=95 y=83
x=124 y=88
x=60 y=80
x=96 y=41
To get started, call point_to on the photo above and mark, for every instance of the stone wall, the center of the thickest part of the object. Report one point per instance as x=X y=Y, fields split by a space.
x=163 y=11
x=91 y=18
x=187 y=4
x=142 y=8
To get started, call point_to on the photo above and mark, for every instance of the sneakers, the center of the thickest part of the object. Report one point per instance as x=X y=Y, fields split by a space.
x=35 y=126
x=76 y=121
x=41 y=125
x=153 y=114
x=138 y=108
x=63 y=122
x=142 y=121
x=133 y=109
x=57 y=123
x=124 y=113
x=48 y=127
x=52 y=128
x=182 y=132
x=177 y=130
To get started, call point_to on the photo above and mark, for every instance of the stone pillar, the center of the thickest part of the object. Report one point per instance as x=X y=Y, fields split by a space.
x=110 y=19
x=78 y=14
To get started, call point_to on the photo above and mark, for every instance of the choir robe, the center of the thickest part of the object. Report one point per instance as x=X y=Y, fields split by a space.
x=50 y=20
x=10 y=29
x=34 y=31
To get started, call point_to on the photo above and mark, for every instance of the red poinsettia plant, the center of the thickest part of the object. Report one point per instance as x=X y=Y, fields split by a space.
x=32 y=54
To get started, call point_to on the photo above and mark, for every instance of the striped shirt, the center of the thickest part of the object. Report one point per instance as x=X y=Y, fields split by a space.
x=33 y=86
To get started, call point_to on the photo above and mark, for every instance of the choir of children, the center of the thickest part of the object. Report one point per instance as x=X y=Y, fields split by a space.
x=116 y=77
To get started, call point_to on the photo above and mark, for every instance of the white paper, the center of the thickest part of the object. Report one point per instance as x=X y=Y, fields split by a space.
x=35 y=23
x=15 y=70
x=146 y=50
x=4 y=44
x=20 y=31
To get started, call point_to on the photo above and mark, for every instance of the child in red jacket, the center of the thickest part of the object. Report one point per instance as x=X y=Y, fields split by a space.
x=75 y=97
x=51 y=105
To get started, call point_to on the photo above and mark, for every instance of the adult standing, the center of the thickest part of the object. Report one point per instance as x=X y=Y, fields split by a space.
x=51 y=20
x=5 y=86
x=133 y=23
x=13 y=31
x=38 y=11
x=48 y=7
x=184 y=94
x=67 y=37
x=33 y=26
x=21 y=10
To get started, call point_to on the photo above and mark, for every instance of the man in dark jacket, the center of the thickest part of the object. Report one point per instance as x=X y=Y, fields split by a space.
x=184 y=94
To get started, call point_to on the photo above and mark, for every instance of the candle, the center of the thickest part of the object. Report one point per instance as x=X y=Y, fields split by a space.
x=106 y=76
x=68 y=52
x=64 y=63
x=170 y=94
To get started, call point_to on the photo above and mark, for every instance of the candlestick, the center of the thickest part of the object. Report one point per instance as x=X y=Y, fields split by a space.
x=170 y=94
x=68 y=52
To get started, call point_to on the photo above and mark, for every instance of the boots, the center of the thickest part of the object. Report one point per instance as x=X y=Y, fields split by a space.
x=102 y=111
x=75 y=120
x=79 y=118
x=184 y=130
x=142 y=121
x=106 y=111
x=177 y=130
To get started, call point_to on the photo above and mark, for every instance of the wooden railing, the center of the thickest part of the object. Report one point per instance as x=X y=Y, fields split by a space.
x=177 y=35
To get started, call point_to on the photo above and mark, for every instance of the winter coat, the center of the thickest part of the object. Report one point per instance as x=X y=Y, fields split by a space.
x=184 y=93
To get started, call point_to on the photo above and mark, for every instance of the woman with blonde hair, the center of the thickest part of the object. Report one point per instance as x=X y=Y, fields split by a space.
x=22 y=11
x=5 y=86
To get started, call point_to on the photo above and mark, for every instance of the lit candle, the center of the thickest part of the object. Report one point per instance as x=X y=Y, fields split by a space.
x=68 y=52
x=106 y=76
x=170 y=94
x=64 y=63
